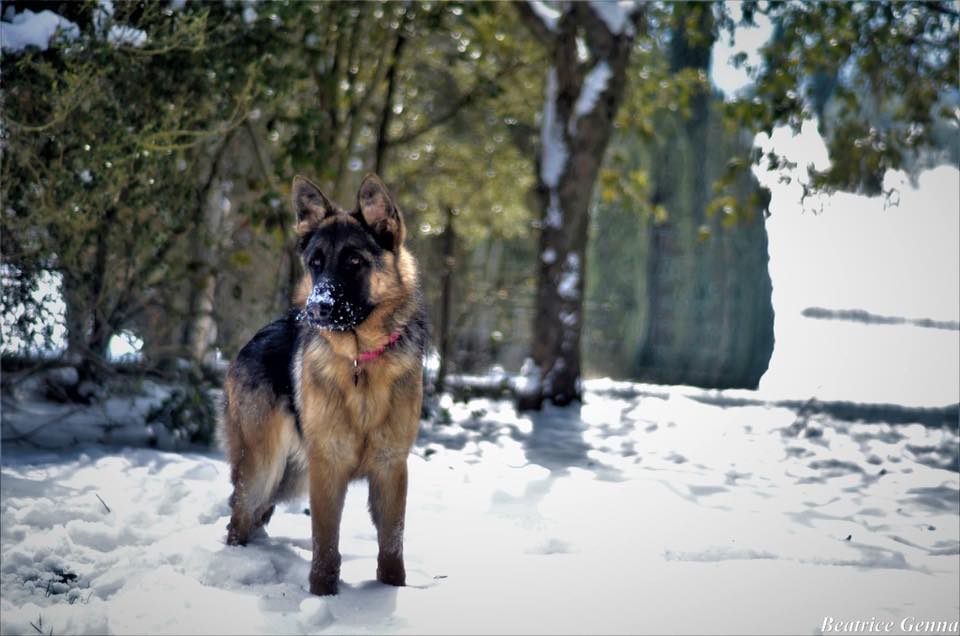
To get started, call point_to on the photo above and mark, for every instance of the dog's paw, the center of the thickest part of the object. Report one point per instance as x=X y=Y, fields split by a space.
x=235 y=537
x=391 y=572
x=324 y=585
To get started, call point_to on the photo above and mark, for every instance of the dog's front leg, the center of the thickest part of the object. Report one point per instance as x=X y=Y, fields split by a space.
x=388 y=502
x=328 y=488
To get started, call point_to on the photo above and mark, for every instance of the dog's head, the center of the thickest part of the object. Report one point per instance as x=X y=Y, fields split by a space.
x=347 y=255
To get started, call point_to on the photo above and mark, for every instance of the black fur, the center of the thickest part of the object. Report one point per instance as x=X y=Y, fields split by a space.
x=340 y=257
x=267 y=358
x=416 y=333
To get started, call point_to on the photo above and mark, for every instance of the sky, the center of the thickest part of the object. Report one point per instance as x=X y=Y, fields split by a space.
x=728 y=79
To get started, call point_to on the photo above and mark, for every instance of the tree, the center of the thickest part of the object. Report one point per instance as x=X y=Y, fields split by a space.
x=588 y=48
x=158 y=198
x=95 y=182
x=882 y=77
x=687 y=299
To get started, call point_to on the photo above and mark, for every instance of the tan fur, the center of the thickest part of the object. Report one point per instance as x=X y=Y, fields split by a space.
x=378 y=209
x=362 y=430
x=351 y=430
x=261 y=441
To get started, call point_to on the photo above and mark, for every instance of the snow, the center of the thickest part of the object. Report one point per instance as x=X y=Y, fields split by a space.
x=126 y=35
x=548 y=15
x=554 y=215
x=644 y=511
x=125 y=346
x=847 y=251
x=117 y=420
x=27 y=28
x=593 y=85
x=567 y=288
x=102 y=15
x=46 y=295
x=549 y=256
x=615 y=14
x=322 y=293
x=554 y=155
x=117 y=34
x=528 y=380
x=35 y=29
x=732 y=81
x=569 y=278
x=583 y=53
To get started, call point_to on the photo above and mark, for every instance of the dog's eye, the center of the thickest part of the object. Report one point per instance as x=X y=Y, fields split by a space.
x=316 y=260
x=354 y=260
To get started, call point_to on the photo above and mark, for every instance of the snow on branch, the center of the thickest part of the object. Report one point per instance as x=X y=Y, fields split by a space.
x=121 y=34
x=551 y=134
x=27 y=28
x=593 y=85
x=116 y=34
x=615 y=14
x=548 y=15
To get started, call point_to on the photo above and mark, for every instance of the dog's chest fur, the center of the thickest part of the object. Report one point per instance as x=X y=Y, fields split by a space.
x=357 y=424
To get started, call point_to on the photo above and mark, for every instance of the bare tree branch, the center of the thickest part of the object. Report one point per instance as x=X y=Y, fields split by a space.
x=462 y=102
x=387 y=110
x=940 y=8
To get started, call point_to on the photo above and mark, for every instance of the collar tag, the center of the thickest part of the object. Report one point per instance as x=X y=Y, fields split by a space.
x=369 y=356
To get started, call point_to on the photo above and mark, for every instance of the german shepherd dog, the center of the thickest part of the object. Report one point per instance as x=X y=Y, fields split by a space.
x=332 y=392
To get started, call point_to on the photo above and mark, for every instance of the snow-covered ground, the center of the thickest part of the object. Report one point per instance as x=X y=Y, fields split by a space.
x=646 y=510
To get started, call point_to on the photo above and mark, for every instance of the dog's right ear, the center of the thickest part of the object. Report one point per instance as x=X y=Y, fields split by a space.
x=310 y=204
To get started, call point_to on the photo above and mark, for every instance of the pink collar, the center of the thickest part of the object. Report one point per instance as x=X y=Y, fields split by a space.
x=367 y=356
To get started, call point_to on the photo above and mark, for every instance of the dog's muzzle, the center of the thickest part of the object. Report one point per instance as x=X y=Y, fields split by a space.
x=327 y=308
x=321 y=303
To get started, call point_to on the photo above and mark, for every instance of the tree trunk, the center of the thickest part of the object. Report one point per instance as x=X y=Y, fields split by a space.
x=77 y=317
x=200 y=329
x=669 y=305
x=582 y=97
x=101 y=330
x=709 y=321
x=200 y=326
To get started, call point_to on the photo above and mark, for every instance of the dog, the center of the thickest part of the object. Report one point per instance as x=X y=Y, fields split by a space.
x=332 y=392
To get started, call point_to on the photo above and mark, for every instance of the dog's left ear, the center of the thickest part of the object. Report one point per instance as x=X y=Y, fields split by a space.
x=310 y=204
x=380 y=213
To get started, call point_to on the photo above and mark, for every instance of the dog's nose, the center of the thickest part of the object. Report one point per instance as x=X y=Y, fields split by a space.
x=320 y=310
x=321 y=301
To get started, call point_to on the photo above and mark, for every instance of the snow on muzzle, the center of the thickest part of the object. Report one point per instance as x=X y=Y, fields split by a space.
x=327 y=308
